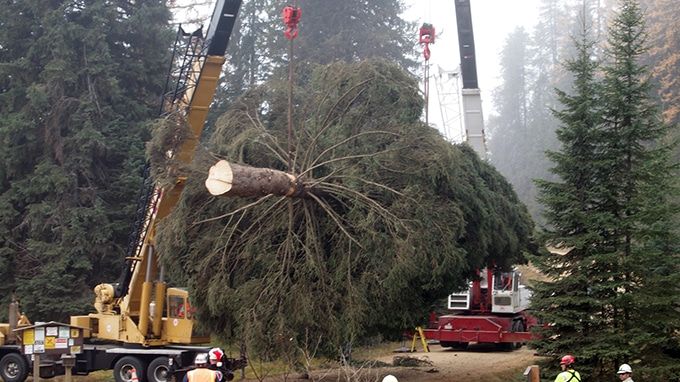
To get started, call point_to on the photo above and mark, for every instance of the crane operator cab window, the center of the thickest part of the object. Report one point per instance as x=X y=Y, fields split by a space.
x=503 y=281
x=179 y=307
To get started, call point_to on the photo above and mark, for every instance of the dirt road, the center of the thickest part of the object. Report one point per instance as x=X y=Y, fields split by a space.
x=478 y=363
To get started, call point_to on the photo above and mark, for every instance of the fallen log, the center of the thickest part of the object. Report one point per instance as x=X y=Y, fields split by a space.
x=231 y=179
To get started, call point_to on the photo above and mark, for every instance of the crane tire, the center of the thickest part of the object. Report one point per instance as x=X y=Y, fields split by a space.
x=13 y=367
x=158 y=370
x=518 y=326
x=122 y=370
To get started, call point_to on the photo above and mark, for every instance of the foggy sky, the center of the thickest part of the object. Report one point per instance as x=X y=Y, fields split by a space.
x=492 y=21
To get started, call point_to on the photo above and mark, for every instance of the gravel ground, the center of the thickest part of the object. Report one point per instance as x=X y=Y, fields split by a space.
x=479 y=363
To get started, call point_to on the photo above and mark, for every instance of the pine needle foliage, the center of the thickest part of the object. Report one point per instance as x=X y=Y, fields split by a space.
x=77 y=81
x=613 y=296
x=168 y=133
x=396 y=218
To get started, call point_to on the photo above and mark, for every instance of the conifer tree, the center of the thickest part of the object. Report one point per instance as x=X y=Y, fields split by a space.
x=612 y=297
x=355 y=30
x=508 y=133
x=77 y=80
x=565 y=301
x=395 y=217
x=639 y=182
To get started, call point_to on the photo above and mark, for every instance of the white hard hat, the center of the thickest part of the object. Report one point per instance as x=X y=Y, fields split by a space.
x=201 y=359
x=390 y=378
x=625 y=368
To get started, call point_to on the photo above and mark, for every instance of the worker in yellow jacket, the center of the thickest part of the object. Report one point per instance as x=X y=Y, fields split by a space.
x=568 y=373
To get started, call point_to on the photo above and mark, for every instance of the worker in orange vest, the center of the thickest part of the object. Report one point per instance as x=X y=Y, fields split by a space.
x=202 y=373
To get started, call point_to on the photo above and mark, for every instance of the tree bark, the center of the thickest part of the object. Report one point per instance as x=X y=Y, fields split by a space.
x=231 y=179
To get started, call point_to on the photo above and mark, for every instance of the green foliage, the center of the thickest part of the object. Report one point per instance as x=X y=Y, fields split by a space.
x=76 y=80
x=395 y=219
x=613 y=297
x=524 y=127
x=167 y=135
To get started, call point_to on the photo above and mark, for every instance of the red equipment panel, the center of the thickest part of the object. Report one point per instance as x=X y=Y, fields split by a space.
x=481 y=329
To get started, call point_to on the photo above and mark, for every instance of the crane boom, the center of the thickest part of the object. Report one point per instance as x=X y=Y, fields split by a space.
x=472 y=101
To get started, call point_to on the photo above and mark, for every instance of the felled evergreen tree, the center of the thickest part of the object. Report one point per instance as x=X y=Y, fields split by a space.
x=77 y=80
x=395 y=217
x=613 y=297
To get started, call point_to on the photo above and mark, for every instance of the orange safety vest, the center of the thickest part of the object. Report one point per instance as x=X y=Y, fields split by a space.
x=202 y=375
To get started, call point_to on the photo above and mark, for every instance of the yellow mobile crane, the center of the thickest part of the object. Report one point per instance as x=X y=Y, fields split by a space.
x=141 y=324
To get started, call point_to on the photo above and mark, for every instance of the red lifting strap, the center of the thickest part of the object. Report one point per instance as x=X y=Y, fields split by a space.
x=291 y=17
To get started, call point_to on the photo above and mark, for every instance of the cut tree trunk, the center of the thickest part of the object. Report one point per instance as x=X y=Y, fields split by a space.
x=231 y=179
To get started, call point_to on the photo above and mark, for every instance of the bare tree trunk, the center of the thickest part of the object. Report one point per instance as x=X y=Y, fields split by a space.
x=231 y=179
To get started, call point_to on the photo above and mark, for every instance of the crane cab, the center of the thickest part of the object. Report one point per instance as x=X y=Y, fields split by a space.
x=179 y=325
x=508 y=295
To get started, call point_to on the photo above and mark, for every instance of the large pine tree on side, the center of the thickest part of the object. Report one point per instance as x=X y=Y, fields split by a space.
x=77 y=80
x=566 y=301
x=613 y=296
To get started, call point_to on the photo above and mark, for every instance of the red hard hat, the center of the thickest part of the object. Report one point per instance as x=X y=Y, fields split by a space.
x=567 y=360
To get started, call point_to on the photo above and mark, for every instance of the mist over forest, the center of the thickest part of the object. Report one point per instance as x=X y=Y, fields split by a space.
x=532 y=65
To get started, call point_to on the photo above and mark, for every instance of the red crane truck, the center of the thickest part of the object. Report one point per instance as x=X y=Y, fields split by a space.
x=492 y=310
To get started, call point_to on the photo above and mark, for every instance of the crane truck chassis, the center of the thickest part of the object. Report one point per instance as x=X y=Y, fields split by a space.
x=150 y=364
x=140 y=324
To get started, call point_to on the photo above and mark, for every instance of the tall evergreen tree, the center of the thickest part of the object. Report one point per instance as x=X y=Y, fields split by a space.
x=518 y=150
x=355 y=30
x=255 y=50
x=77 y=80
x=565 y=302
x=613 y=296
x=639 y=181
